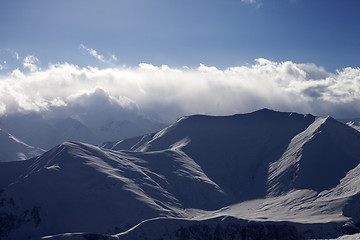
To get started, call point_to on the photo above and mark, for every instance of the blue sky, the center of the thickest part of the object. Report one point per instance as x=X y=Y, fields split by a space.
x=221 y=33
x=166 y=59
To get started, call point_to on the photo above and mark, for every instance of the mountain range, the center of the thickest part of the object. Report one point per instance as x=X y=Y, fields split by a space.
x=261 y=175
x=46 y=132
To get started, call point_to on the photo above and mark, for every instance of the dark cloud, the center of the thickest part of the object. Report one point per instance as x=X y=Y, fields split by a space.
x=314 y=92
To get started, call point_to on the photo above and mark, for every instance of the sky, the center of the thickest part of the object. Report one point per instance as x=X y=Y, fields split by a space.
x=165 y=59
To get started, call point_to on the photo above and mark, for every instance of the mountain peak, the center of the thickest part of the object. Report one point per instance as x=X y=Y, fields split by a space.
x=265 y=110
x=331 y=120
x=221 y=144
x=325 y=151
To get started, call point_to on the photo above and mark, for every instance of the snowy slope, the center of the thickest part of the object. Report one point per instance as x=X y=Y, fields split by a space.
x=226 y=228
x=127 y=144
x=79 y=187
x=12 y=149
x=220 y=228
x=11 y=171
x=268 y=173
x=234 y=151
x=325 y=151
x=352 y=122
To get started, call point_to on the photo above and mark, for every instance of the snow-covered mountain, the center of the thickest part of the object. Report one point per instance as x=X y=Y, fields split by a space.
x=56 y=131
x=47 y=133
x=12 y=149
x=352 y=122
x=128 y=144
x=112 y=130
x=77 y=186
x=260 y=175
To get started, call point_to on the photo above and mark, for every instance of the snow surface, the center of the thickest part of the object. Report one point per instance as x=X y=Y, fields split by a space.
x=12 y=149
x=127 y=144
x=348 y=237
x=264 y=174
x=351 y=122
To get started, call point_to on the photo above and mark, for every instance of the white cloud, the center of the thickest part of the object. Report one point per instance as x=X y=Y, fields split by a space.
x=99 y=98
x=167 y=93
x=17 y=56
x=57 y=102
x=93 y=52
x=93 y=107
x=98 y=56
x=30 y=62
x=2 y=108
x=113 y=57
x=257 y=2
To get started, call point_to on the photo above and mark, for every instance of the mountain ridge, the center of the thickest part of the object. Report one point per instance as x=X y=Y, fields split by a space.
x=13 y=149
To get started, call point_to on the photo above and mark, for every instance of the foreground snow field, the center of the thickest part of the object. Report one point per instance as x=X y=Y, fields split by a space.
x=262 y=175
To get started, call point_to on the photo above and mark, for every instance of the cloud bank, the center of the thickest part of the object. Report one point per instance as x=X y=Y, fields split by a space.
x=165 y=93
